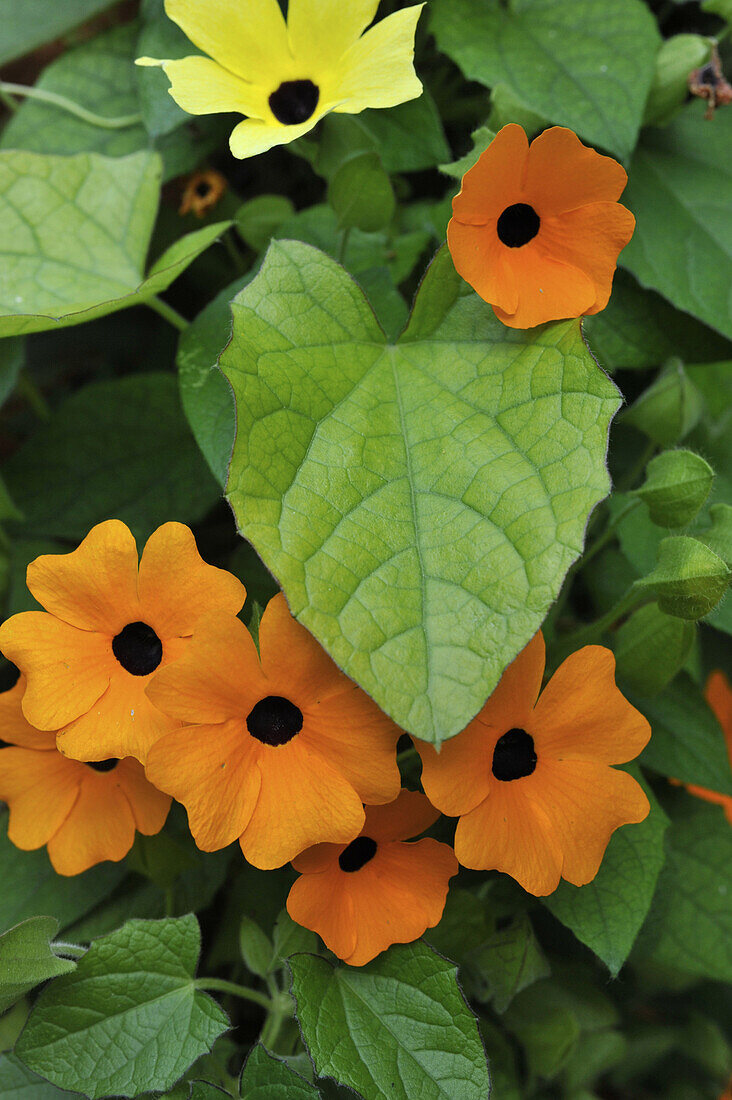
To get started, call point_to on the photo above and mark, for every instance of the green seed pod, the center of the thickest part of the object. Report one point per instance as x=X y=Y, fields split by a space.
x=718 y=537
x=669 y=409
x=676 y=59
x=689 y=579
x=676 y=486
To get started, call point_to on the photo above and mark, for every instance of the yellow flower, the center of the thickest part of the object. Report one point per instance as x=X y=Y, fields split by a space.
x=287 y=75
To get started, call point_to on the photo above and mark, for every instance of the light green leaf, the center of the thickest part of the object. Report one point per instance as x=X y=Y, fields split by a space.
x=75 y=231
x=129 y=1019
x=120 y=448
x=265 y=1077
x=608 y=912
x=18 y=1083
x=669 y=409
x=679 y=180
x=396 y=1028
x=676 y=59
x=27 y=958
x=361 y=194
x=482 y=137
x=31 y=886
x=435 y=541
x=687 y=741
x=34 y=22
x=582 y=63
x=690 y=923
x=259 y=218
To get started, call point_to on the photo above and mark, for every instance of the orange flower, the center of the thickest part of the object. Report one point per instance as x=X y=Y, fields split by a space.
x=362 y=897
x=718 y=694
x=202 y=191
x=83 y=813
x=529 y=777
x=280 y=754
x=536 y=231
x=108 y=628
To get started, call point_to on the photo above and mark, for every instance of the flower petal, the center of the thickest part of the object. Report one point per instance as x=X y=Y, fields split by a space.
x=509 y=833
x=99 y=827
x=95 y=586
x=723 y=800
x=378 y=69
x=122 y=722
x=252 y=136
x=511 y=703
x=293 y=661
x=581 y=714
x=202 y=87
x=248 y=39
x=176 y=587
x=320 y=903
x=218 y=677
x=212 y=771
x=319 y=31
x=457 y=778
x=302 y=801
x=66 y=669
x=549 y=290
x=563 y=174
x=590 y=239
x=407 y=816
x=318 y=858
x=14 y=726
x=585 y=803
x=482 y=260
x=40 y=789
x=718 y=694
x=149 y=806
x=495 y=181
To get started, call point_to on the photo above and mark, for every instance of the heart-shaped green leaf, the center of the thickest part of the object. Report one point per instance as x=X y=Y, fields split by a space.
x=419 y=502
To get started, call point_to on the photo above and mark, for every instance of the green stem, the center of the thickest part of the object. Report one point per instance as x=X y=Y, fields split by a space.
x=168 y=313
x=68 y=105
x=8 y=101
x=273 y=1024
x=234 y=254
x=74 y=950
x=220 y=985
x=593 y=632
x=29 y=390
x=603 y=539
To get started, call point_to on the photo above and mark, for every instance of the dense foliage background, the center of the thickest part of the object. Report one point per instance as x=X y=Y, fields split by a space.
x=113 y=405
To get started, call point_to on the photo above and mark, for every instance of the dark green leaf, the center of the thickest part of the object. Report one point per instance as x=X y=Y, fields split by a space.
x=265 y=1077
x=508 y=960
x=119 y=448
x=682 y=246
x=258 y=219
x=361 y=194
x=18 y=1083
x=290 y=938
x=255 y=947
x=397 y=1028
x=159 y=37
x=331 y=424
x=129 y=1019
x=669 y=409
x=34 y=22
x=650 y=648
x=582 y=63
x=547 y=1030
x=12 y=357
x=27 y=958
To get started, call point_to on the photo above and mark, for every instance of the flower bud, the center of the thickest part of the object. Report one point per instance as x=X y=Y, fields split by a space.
x=676 y=59
x=669 y=409
x=676 y=486
x=718 y=537
x=689 y=579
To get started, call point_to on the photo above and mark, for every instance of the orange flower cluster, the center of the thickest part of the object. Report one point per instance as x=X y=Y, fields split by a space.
x=139 y=682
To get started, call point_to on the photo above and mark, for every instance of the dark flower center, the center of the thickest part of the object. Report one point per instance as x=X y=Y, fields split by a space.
x=4 y=744
x=274 y=720
x=518 y=224
x=102 y=765
x=138 y=649
x=203 y=189
x=294 y=101
x=357 y=854
x=514 y=756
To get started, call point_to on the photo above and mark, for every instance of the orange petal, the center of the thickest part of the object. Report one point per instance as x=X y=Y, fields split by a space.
x=95 y=586
x=481 y=259
x=511 y=703
x=99 y=827
x=723 y=800
x=123 y=722
x=495 y=181
x=176 y=587
x=407 y=816
x=581 y=714
x=562 y=174
x=66 y=669
x=320 y=903
x=357 y=739
x=398 y=895
x=15 y=728
x=218 y=677
x=718 y=694
x=509 y=833
x=318 y=858
x=212 y=770
x=585 y=803
x=149 y=806
x=548 y=288
x=302 y=801
x=40 y=789
x=590 y=239
x=295 y=665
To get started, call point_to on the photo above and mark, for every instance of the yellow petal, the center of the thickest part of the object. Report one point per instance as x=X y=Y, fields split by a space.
x=378 y=70
x=248 y=38
x=202 y=87
x=320 y=31
x=253 y=136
